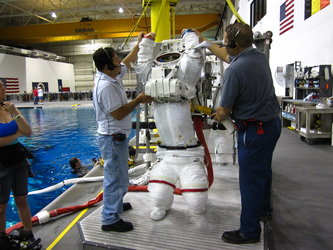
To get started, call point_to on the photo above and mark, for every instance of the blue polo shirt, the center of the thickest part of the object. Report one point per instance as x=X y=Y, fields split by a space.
x=248 y=87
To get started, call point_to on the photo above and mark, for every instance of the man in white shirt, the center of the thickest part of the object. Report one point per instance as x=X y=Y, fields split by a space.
x=113 y=116
x=40 y=95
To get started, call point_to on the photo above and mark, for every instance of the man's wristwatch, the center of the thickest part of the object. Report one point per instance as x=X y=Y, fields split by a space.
x=17 y=117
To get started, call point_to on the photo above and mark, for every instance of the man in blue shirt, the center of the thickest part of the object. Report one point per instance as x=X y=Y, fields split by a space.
x=114 y=125
x=248 y=95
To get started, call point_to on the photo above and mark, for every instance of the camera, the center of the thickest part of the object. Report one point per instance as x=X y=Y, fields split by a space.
x=119 y=137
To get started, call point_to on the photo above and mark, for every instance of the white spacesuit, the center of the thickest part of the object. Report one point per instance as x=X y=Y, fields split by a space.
x=171 y=78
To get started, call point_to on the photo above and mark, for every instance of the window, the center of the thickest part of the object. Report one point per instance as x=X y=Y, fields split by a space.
x=258 y=11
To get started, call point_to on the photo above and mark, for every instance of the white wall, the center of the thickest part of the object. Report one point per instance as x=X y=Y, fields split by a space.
x=39 y=70
x=310 y=41
x=30 y=70
x=12 y=67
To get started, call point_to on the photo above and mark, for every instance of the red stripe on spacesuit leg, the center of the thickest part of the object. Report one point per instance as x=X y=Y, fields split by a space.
x=139 y=188
x=194 y=190
x=163 y=182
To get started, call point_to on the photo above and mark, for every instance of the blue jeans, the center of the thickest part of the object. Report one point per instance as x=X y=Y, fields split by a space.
x=115 y=183
x=255 y=154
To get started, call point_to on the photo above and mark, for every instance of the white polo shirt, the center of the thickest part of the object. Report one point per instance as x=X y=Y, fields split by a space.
x=109 y=95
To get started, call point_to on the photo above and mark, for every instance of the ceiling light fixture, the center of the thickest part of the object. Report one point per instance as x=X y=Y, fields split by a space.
x=54 y=15
x=121 y=10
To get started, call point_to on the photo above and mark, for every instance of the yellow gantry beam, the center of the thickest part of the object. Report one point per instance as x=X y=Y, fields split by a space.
x=116 y=28
x=160 y=19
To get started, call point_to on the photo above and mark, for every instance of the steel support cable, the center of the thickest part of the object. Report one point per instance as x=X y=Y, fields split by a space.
x=134 y=27
x=173 y=14
x=234 y=11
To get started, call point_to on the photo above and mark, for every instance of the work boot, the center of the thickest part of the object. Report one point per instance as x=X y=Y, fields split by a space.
x=119 y=226
x=25 y=239
x=127 y=206
x=5 y=241
x=236 y=237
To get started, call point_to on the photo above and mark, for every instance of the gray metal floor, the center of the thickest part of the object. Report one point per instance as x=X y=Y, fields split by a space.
x=181 y=229
x=302 y=194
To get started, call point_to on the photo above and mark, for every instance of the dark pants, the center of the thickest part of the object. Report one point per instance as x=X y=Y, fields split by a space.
x=35 y=99
x=255 y=152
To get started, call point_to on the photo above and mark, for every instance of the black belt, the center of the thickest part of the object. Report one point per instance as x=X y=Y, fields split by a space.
x=180 y=147
x=243 y=124
x=119 y=136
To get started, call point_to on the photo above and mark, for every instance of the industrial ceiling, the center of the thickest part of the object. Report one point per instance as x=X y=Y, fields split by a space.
x=31 y=21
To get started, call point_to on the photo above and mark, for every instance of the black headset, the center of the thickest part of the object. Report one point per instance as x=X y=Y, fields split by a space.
x=110 y=65
x=232 y=43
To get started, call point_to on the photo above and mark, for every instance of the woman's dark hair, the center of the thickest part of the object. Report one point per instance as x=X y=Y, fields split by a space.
x=103 y=56
x=73 y=161
x=240 y=33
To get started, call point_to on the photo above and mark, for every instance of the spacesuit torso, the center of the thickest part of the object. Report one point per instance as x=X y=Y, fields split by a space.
x=171 y=78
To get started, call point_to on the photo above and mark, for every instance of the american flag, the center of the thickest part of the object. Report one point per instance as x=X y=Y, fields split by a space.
x=12 y=85
x=286 y=16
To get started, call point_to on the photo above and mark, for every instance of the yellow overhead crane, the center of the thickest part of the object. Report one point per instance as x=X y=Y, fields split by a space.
x=99 y=29
x=162 y=17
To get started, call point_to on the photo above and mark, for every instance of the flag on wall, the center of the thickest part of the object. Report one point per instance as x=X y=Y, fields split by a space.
x=286 y=16
x=12 y=85
x=313 y=6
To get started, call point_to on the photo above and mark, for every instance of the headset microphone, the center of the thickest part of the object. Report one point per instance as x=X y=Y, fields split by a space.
x=110 y=65
x=232 y=43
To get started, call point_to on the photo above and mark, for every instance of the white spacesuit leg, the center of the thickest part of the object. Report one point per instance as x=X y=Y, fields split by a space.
x=161 y=196
x=194 y=186
x=161 y=186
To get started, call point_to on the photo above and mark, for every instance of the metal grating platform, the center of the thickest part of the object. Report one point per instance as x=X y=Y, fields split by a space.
x=181 y=229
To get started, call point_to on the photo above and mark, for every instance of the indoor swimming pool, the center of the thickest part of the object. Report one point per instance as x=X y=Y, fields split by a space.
x=58 y=135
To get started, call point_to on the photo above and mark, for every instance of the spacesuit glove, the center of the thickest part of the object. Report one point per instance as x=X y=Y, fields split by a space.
x=191 y=39
x=150 y=36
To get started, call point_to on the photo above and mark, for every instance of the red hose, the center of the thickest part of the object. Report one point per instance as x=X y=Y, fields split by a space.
x=59 y=211
x=65 y=210
x=198 y=126
x=34 y=220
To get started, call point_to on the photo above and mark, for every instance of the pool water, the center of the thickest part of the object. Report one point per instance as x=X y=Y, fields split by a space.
x=58 y=135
